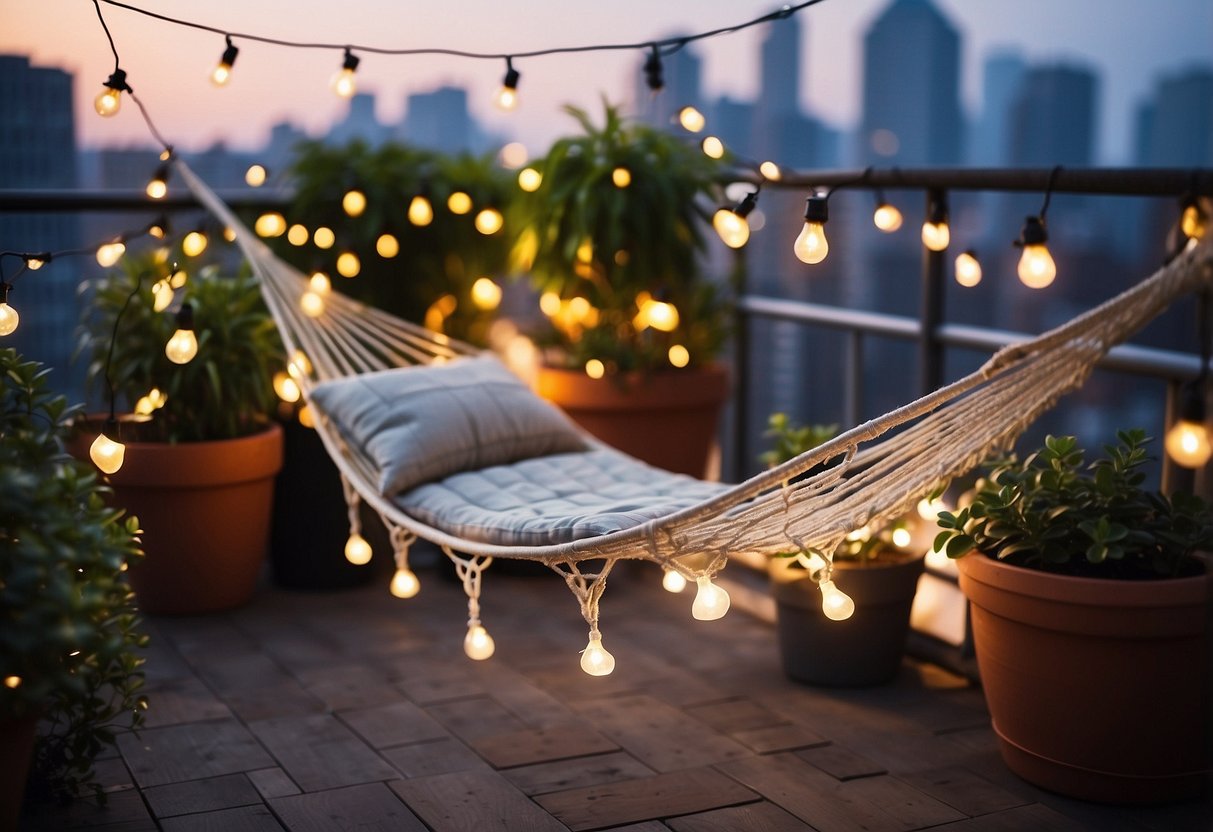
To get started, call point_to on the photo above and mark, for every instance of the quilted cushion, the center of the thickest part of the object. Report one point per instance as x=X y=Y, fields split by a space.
x=553 y=499
x=419 y=424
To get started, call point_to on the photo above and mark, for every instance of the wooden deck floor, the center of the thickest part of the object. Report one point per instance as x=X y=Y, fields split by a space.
x=353 y=710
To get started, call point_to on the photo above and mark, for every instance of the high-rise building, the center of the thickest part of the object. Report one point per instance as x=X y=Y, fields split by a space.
x=438 y=120
x=1176 y=128
x=1002 y=75
x=359 y=123
x=911 y=88
x=1052 y=119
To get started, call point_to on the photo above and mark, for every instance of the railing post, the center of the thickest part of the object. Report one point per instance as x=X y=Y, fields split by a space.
x=930 y=348
x=741 y=370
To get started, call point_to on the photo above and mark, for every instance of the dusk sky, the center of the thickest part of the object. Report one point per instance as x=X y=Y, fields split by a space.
x=1131 y=43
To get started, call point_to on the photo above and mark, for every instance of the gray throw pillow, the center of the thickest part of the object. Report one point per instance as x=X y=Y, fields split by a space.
x=420 y=424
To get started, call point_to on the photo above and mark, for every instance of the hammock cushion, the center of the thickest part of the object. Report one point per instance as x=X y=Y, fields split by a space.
x=420 y=424
x=553 y=499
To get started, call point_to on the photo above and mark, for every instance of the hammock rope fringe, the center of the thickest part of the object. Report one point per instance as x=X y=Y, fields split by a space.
x=870 y=474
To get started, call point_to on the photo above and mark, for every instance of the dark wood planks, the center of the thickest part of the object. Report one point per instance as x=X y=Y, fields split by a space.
x=480 y=800
x=366 y=808
x=319 y=752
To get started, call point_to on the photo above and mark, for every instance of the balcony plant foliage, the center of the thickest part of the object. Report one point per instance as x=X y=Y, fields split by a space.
x=69 y=633
x=226 y=391
x=1053 y=512
x=614 y=223
x=430 y=279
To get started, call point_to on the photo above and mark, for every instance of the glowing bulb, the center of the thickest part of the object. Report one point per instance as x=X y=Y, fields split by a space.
x=108 y=102
x=486 y=294
x=255 y=176
x=529 y=180
x=549 y=303
x=357 y=550
x=902 y=537
x=324 y=237
x=1193 y=222
x=459 y=202
x=158 y=398
x=679 y=355
x=421 y=212
x=405 y=584
x=320 y=283
x=8 y=318
x=811 y=561
x=935 y=235
x=311 y=304
x=770 y=170
x=387 y=246
x=193 y=244
x=107 y=454
x=223 y=70
x=353 y=203
x=306 y=418
x=343 y=82
x=182 y=347
x=1036 y=267
x=348 y=264
x=595 y=660
x=299 y=365
x=177 y=279
x=157 y=188
x=489 y=221
x=144 y=406
x=929 y=509
x=35 y=263
x=286 y=388
x=507 y=97
x=712 y=147
x=12 y=682
x=585 y=251
x=595 y=369
x=733 y=229
x=811 y=246
x=887 y=218
x=711 y=602
x=513 y=155
x=836 y=605
x=478 y=644
x=657 y=314
x=270 y=224
x=691 y=119
x=968 y=269
x=621 y=177
x=110 y=253
x=673 y=581
x=1188 y=444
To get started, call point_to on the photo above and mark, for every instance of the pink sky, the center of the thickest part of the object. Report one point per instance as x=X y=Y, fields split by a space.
x=1130 y=42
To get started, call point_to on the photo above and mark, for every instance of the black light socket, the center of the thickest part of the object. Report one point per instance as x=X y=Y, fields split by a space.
x=817 y=209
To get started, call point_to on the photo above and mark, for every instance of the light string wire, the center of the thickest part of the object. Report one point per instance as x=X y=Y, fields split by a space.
x=667 y=45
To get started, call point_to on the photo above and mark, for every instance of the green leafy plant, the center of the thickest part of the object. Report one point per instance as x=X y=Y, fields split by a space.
x=225 y=391
x=68 y=626
x=1051 y=511
x=613 y=224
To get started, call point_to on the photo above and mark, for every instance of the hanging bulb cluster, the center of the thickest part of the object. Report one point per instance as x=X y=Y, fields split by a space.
x=507 y=97
x=731 y=224
x=343 y=82
x=811 y=246
x=222 y=72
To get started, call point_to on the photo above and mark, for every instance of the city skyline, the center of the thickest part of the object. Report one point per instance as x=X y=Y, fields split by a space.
x=1129 y=53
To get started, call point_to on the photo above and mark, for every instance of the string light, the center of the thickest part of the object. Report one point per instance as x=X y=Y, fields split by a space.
x=711 y=602
x=489 y=221
x=679 y=355
x=421 y=212
x=158 y=227
x=387 y=246
x=935 y=232
x=8 y=315
x=1036 y=268
x=343 y=82
x=654 y=74
x=108 y=453
x=486 y=294
x=478 y=644
x=836 y=605
x=354 y=202
x=529 y=179
x=595 y=369
x=109 y=101
x=33 y=262
x=595 y=660
x=194 y=243
x=357 y=550
x=255 y=176
x=658 y=314
x=270 y=224
x=811 y=246
x=507 y=97
x=459 y=202
x=348 y=264
x=297 y=235
x=311 y=304
x=324 y=237
x=1194 y=219
x=886 y=217
x=731 y=224
x=223 y=70
x=183 y=346
x=157 y=188
x=712 y=147
x=691 y=119
x=968 y=268
x=1187 y=442
x=286 y=388
x=621 y=177
x=770 y=171
x=405 y=584
x=673 y=581
x=110 y=253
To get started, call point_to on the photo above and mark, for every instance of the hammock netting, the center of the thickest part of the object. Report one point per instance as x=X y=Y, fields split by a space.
x=867 y=476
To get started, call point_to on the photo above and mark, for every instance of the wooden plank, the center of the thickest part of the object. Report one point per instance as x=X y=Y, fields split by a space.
x=841 y=762
x=245 y=819
x=871 y=804
x=648 y=798
x=369 y=807
x=123 y=811
x=471 y=719
x=780 y=738
x=284 y=699
x=429 y=682
x=428 y=758
x=192 y=751
x=319 y=752
x=661 y=737
x=346 y=686
x=963 y=790
x=395 y=724
x=520 y=748
x=183 y=700
x=225 y=792
x=480 y=799
x=647 y=826
x=736 y=715
x=272 y=782
x=753 y=817
x=572 y=774
x=226 y=672
x=1040 y=818
x=535 y=707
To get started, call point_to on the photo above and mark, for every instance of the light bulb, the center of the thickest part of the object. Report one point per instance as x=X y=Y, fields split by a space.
x=507 y=97
x=691 y=119
x=286 y=388
x=478 y=644
x=33 y=263
x=157 y=187
x=182 y=347
x=357 y=550
x=193 y=244
x=270 y=224
x=387 y=246
x=1193 y=222
x=836 y=605
x=732 y=229
x=968 y=269
x=108 y=102
x=711 y=602
x=255 y=176
x=8 y=318
x=311 y=304
x=771 y=171
x=324 y=237
x=162 y=295
x=343 y=82
x=595 y=660
x=679 y=355
x=320 y=283
x=902 y=537
x=405 y=584
x=12 y=682
x=353 y=203
x=673 y=581
x=936 y=236
x=223 y=70
x=306 y=418
x=421 y=212
x=549 y=304
x=1036 y=267
x=595 y=369
x=144 y=406
x=887 y=218
x=811 y=561
x=712 y=147
x=110 y=253
x=486 y=294
x=811 y=246
x=106 y=453
x=1188 y=444
x=348 y=264
x=529 y=179
x=489 y=221
x=621 y=177
x=459 y=202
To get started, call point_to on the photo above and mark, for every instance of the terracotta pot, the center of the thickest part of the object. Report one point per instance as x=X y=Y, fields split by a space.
x=1097 y=689
x=865 y=649
x=667 y=419
x=16 y=754
x=204 y=508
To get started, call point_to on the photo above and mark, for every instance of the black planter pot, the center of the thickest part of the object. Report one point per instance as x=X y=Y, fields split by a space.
x=865 y=649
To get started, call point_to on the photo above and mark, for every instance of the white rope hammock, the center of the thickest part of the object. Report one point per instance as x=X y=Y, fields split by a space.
x=873 y=473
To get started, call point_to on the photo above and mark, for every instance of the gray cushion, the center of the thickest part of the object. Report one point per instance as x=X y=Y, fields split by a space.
x=553 y=499
x=419 y=424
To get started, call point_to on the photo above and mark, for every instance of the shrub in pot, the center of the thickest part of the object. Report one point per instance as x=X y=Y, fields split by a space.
x=201 y=452
x=68 y=627
x=1090 y=612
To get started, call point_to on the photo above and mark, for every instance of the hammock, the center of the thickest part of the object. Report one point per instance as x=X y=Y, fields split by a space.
x=870 y=474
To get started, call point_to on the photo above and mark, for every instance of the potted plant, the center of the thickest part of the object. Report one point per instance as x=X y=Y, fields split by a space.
x=611 y=231
x=68 y=627
x=1090 y=613
x=874 y=568
x=201 y=453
